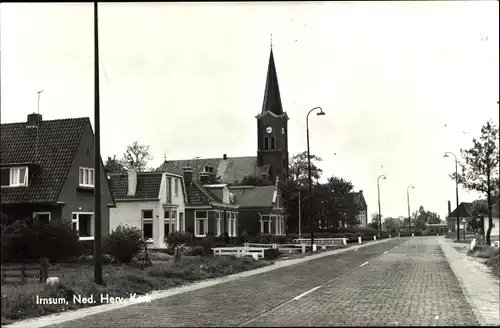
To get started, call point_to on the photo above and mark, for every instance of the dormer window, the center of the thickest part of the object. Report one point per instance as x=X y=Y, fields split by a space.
x=15 y=176
x=208 y=169
x=86 y=178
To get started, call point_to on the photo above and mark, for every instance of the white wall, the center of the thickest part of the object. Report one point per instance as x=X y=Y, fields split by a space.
x=177 y=199
x=130 y=213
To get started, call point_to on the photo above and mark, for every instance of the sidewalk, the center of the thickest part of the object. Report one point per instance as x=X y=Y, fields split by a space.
x=479 y=287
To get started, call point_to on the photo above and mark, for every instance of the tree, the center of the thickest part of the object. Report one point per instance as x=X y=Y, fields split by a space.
x=375 y=221
x=422 y=217
x=252 y=180
x=298 y=169
x=392 y=225
x=479 y=170
x=113 y=165
x=137 y=156
x=330 y=203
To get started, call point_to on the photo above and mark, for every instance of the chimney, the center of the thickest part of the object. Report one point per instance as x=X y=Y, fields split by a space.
x=449 y=208
x=188 y=174
x=34 y=119
x=204 y=177
x=224 y=157
x=132 y=181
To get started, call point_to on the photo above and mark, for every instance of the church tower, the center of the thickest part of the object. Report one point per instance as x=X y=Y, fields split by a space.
x=272 y=129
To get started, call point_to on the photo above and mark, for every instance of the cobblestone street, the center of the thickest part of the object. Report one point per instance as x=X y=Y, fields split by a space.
x=398 y=282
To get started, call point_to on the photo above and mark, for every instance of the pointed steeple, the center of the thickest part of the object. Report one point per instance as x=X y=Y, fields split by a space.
x=272 y=99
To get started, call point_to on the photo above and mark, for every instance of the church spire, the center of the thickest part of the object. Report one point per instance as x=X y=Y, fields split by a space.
x=272 y=99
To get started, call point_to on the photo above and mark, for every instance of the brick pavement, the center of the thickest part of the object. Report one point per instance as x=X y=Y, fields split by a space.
x=234 y=302
x=481 y=290
x=411 y=285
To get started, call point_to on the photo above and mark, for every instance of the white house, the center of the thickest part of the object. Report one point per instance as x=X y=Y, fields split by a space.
x=154 y=202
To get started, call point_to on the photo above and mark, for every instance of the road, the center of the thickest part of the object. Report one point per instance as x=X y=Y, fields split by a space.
x=399 y=282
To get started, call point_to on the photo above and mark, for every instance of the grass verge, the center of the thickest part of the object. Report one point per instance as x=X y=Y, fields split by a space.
x=19 y=301
x=491 y=256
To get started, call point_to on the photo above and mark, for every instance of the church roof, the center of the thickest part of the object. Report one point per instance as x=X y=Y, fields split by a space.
x=272 y=98
x=230 y=170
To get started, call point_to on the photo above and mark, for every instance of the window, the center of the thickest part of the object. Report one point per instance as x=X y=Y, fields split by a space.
x=86 y=177
x=83 y=222
x=265 y=224
x=266 y=143
x=273 y=143
x=169 y=222
x=280 y=225
x=182 y=225
x=176 y=183
x=235 y=225
x=147 y=224
x=169 y=190
x=43 y=217
x=231 y=224
x=219 y=223
x=14 y=176
x=200 y=223
x=282 y=130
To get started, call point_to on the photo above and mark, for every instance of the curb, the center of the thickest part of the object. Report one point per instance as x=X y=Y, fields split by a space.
x=62 y=317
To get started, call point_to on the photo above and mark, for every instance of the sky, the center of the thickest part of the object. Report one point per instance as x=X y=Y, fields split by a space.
x=400 y=82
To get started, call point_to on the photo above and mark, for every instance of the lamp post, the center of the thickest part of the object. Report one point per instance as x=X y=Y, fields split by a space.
x=408 y=199
x=379 y=213
x=309 y=169
x=456 y=190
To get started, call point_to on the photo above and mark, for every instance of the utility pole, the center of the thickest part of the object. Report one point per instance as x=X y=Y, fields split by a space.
x=300 y=222
x=97 y=159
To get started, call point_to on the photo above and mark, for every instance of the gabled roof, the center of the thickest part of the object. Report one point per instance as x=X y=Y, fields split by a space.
x=253 y=196
x=58 y=142
x=148 y=185
x=198 y=195
x=464 y=210
x=230 y=170
x=272 y=98
x=359 y=199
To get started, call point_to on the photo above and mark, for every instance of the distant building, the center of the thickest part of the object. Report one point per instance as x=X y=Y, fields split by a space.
x=359 y=200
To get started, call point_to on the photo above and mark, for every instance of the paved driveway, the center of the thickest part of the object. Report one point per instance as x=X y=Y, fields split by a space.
x=399 y=282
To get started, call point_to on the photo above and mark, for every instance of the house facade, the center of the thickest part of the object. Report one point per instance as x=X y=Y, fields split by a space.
x=210 y=208
x=362 y=216
x=47 y=173
x=153 y=202
x=261 y=209
x=473 y=222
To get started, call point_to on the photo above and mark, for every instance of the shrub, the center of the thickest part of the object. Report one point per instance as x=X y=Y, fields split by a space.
x=124 y=243
x=55 y=240
x=194 y=251
x=177 y=239
x=208 y=243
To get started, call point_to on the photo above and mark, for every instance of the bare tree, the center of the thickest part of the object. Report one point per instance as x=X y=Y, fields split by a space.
x=137 y=156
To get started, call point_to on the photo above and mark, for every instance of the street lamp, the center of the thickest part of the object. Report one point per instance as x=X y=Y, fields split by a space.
x=309 y=169
x=408 y=199
x=456 y=190
x=379 y=213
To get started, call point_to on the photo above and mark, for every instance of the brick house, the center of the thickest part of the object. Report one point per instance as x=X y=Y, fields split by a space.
x=362 y=216
x=210 y=208
x=260 y=209
x=47 y=172
x=153 y=202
